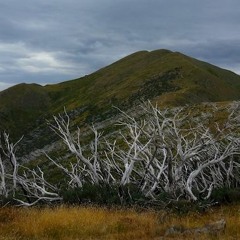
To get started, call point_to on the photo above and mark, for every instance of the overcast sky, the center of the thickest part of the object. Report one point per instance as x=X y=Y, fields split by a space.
x=49 y=41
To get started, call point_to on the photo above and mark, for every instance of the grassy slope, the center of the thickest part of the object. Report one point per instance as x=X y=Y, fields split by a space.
x=97 y=223
x=127 y=76
x=167 y=77
x=21 y=106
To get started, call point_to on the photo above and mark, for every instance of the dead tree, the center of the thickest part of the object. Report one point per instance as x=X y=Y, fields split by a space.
x=160 y=151
x=176 y=153
x=89 y=167
x=169 y=150
x=3 y=186
x=36 y=188
x=9 y=166
x=30 y=184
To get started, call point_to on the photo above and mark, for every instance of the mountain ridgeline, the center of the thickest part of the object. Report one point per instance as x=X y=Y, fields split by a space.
x=168 y=78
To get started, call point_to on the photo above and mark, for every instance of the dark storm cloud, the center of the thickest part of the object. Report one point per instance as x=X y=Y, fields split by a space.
x=47 y=41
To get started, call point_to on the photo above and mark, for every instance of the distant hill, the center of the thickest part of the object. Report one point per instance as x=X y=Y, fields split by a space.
x=169 y=78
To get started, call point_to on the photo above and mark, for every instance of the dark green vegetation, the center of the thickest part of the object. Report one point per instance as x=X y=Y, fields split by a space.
x=169 y=78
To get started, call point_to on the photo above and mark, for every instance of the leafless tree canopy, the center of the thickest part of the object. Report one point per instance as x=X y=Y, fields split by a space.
x=176 y=151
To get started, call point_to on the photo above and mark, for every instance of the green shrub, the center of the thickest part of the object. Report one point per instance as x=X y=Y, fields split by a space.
x=99 y=194
x=7 y=201
x=226 y=195
x=131 y=194
x=103 y=194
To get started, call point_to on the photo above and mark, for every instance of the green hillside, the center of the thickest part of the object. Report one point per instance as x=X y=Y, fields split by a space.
x=21 y=106
x=170 y=78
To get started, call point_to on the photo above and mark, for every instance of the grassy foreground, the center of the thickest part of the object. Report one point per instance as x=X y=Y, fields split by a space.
x=70 y=223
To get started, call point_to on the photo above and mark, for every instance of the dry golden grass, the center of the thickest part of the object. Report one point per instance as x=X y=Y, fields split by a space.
x=70 y=223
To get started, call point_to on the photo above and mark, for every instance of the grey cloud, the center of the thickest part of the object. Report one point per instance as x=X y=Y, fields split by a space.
x=48 y=41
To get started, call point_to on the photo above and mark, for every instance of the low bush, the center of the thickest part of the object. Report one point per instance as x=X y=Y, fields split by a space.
x=226 y=195
x=89 y=193
x=103 y=194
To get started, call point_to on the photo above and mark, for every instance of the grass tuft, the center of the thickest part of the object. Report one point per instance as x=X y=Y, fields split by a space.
x=70 y=223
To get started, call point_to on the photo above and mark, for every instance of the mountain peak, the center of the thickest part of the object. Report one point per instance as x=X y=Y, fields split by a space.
x=169 y=78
